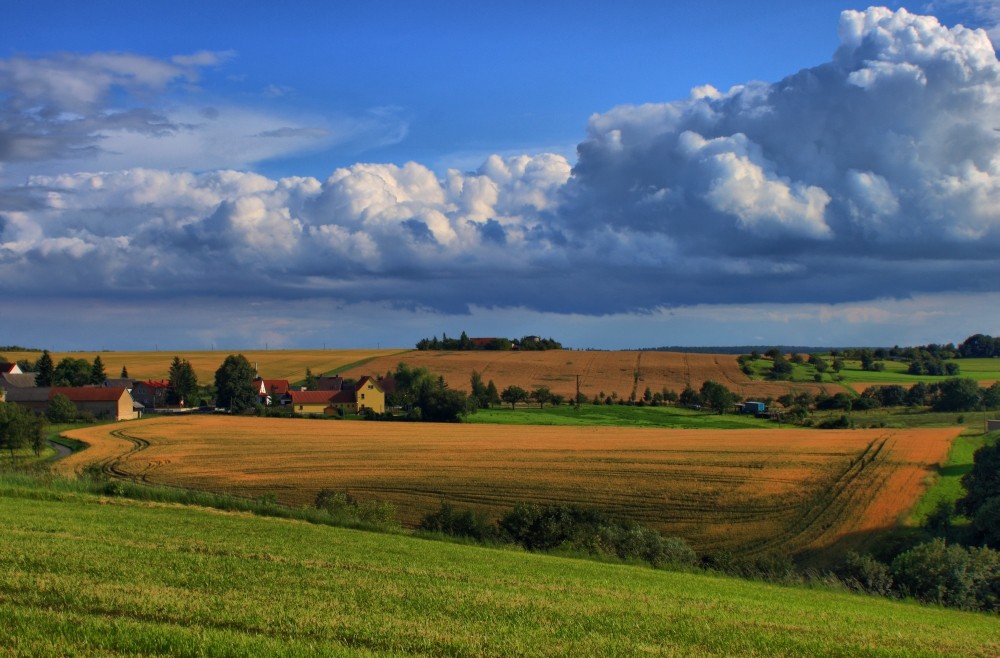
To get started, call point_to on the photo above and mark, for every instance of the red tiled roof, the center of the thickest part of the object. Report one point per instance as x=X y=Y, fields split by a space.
x=155 y=383
x=88 y=393
x=280 y=386
x=310 y=397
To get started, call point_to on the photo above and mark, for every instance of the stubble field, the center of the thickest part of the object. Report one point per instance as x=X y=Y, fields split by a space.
x=608 y=372
x=746 y=491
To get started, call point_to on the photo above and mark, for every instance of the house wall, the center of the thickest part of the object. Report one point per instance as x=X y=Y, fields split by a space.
x=316 y=408
x=370 y=397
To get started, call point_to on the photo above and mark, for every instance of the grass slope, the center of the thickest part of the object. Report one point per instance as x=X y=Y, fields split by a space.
x=85 y=575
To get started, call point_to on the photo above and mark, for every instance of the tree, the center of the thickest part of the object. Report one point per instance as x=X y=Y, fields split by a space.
x=124 y=374
x=183 y=380
x=719 y=398
x=479 y=392
x=440 y=404
x=234 y=385
x=71 y=372
x=311 y=382
x=20 y=428
x=61 y=410
x=45 y=370
x=492 y=395
x=97 y=374
x=960 y=394
x=541 y=395
x=513 y=394
x=982 y=482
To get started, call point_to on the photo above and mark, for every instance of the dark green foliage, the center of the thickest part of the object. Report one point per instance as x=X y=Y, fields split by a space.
x=863 y=573
x=61 y=410
x=717 y=397
x=234 y=385
x=979 y=346
x=567 y=527
x=183 y=381
x=465 y=523
x=425 y=397
x=311 y=383
x=958 y=395
x=20 y=429
x=71 y=372
x=124 y=374
x=479 y=392
x=492 y=395
x=981 y=502
x=513 y=394
x=97 y=374
x=967 y=578
x=344 y=508
x=44 y=369
x=986 y=523
x=541 y=395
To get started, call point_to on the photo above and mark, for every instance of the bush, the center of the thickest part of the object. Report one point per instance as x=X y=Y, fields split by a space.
x=466 y=523
x=863 y=573
x=950 y=575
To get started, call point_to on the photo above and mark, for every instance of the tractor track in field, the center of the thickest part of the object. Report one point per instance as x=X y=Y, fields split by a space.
x=112 y=467
x=829 y=507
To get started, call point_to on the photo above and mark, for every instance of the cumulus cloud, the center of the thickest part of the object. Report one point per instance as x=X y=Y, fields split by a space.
x=873 y=175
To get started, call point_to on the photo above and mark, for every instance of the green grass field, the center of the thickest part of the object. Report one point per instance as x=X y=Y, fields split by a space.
x=947 y=487
x=87 y=575
x=615 y=415
x=983 y=370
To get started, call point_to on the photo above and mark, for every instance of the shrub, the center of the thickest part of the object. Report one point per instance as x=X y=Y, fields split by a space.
x=950 y=575
x=863 y=573
x=466 y=523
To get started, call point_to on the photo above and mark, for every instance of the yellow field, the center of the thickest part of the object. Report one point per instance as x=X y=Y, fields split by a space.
x=272 y=364
x=748 y=491
x=618 y=372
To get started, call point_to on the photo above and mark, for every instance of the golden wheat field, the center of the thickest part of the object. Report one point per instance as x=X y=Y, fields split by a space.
x=749 y=491
x=272 y=364
x=608 y=372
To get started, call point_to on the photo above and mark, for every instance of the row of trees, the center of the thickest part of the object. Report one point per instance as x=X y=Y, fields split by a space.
x=464 y=343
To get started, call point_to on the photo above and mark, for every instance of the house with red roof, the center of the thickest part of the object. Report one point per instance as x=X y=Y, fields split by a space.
x=270 y=391
x=102 y=402
x=352 y=399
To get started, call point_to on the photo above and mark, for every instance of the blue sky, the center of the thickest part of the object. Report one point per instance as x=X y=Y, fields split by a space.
x=190 y=174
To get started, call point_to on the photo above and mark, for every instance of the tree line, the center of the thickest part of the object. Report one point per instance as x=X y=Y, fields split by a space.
x=464 y=343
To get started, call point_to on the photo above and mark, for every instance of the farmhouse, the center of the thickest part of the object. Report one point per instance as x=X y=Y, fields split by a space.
x=106 y=403
x=11 y=368
x=353 y=399
x=269 y=390
x=151 y=393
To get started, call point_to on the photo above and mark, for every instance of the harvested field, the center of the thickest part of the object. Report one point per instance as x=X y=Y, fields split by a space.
x=272 y=364
x=747 y=491
x=618 y=372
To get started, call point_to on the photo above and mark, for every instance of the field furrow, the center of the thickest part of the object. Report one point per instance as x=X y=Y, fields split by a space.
x=750 y=491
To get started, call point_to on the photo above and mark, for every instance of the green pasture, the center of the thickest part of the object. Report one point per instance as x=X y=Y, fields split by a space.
x=86 y=575
x=947 y=484
x=615 y=415
x=895 y=372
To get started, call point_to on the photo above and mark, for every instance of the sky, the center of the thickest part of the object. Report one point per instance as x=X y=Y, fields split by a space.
x=224 y=175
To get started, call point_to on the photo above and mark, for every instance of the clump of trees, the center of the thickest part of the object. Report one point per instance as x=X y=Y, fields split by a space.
x=234 y=385
x=422 y=396
x=346 y=509
x=564 y=528
x=20 y=429
x=464 y=343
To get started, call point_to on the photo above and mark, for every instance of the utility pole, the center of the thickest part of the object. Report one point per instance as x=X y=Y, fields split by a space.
x=577 y=392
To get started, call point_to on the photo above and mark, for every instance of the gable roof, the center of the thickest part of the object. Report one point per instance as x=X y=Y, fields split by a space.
x=310 y=397
x=89 y=393
x=265 y=386
x=17 y=380
x=12 y=368
x=368 y=380
x=32 y=394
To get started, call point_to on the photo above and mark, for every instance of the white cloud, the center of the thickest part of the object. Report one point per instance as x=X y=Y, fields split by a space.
x=872 y=176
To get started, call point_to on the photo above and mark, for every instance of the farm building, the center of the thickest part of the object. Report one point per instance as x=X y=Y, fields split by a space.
x=17 y=380
x=11 y=368
x=366 y=394
x=109 y=403
x=151 y=393
x=749 y=407
x=270 y=391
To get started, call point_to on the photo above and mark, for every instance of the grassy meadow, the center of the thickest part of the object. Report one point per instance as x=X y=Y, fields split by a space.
x=89 y=575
